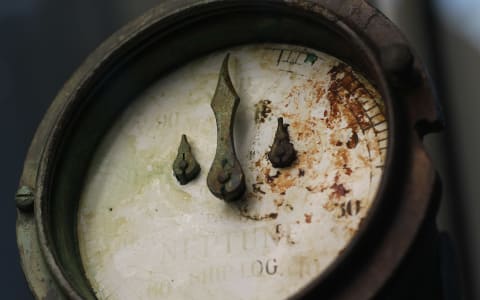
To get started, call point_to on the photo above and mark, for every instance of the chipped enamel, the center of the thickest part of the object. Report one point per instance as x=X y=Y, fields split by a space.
x=144 y=236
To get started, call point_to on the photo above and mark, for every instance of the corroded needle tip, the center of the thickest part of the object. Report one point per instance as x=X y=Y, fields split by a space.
x=185 y=167
x=225 y=97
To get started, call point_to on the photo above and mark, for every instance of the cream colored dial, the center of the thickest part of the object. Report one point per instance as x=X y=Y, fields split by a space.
x=142 y=235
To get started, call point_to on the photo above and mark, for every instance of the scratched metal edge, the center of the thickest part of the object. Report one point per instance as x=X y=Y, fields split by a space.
x=35 y=270
x=34 y=163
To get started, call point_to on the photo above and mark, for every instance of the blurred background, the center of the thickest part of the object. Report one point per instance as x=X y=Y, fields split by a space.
x=44 y=41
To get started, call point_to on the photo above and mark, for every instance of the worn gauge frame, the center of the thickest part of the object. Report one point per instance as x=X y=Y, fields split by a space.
x=176 y=32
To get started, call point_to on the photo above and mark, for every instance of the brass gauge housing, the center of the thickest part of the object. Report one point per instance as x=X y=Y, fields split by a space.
x=332 y=83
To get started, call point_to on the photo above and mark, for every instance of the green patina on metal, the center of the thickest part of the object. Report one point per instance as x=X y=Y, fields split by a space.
x=311 y=58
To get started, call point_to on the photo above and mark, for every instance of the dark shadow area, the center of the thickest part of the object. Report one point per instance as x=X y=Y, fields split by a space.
x=453 y=60
x=43 y=42
x=461 y=64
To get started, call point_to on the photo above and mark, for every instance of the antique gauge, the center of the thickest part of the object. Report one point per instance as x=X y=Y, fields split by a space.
x=236 y=150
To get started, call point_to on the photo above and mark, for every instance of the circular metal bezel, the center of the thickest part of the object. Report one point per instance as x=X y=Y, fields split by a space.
x=177 y=32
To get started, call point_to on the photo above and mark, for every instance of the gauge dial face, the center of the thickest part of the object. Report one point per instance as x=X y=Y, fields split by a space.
x=142 y=235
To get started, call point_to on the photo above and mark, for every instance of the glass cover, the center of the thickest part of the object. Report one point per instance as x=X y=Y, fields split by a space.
x=142 y=235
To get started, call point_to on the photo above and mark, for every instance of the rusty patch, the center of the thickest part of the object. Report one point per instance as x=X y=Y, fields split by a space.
x=319 y=89
x=281 y=181
x=342 y=158
x=308 y=218
x=262 y=110
x=329 y=206
x=304 y=130
x=273 y=216
x=348 y=170
x=353 y=141
x=338 y=190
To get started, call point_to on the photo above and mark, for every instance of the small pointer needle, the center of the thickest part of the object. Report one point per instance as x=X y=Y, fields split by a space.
x=225 y=178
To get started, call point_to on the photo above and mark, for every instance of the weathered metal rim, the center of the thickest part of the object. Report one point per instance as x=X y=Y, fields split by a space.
x=112 y=48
